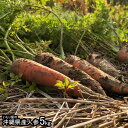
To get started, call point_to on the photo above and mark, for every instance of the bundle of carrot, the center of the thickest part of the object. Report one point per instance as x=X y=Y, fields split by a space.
x=108 y=82
x=17 y=50
x=20 y=49
x=61 y=66
x=44 y=76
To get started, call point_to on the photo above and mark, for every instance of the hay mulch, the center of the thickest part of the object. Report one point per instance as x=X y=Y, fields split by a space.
x=65 y=112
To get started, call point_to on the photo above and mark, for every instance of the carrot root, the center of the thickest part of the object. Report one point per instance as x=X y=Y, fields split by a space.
x=123 y=54
x=107 y=82
x=45 y=76
x=103 y=64
x=61 y=66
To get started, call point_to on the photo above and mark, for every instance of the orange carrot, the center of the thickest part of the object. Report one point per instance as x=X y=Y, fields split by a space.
x=123 y=54
x=45 y=76
x=61 y=66
x=108 y=82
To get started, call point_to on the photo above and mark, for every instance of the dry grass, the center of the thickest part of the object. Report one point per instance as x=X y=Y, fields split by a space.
x=66 y=112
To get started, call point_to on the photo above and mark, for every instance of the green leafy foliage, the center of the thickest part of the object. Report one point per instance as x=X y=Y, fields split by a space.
x=30 y=86
x=14 y=79
x=105 y=28
x=6 y=84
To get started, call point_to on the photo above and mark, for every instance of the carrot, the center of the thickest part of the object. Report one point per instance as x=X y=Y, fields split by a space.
x=108 y=82
x=61 y=66
x=123 y=54
x=45 y=76
x=102 y=63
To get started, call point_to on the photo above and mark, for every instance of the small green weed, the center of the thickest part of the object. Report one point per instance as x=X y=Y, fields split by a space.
x=67 y=84
x=29 y=87
x=6 y=84
x=15 y=79
x=4 y=89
